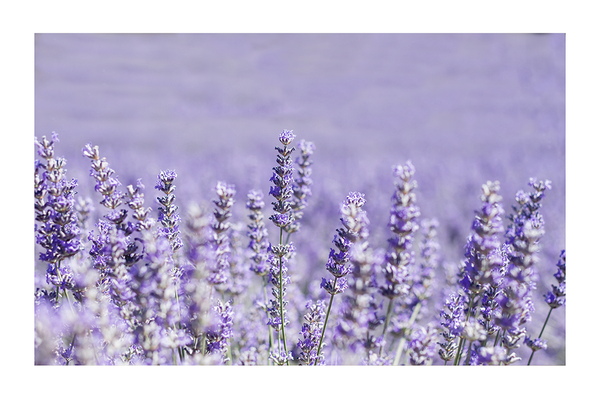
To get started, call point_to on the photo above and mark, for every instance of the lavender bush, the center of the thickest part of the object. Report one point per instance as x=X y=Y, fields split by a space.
x=193 y=287
x=189 y=233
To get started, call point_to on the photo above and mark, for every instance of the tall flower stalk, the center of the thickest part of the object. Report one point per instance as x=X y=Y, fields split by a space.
x=481 y=260
x=555 y=298
x=523 y=237
x=57 y=228
x=421 y=280
x=259 y=246
x=282 y=191
x=353 y=222
x=403 y=224
x=220 y=269
x=301 y=186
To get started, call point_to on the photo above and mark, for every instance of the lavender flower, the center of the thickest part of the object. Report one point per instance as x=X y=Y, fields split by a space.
x=168 y=216
x=145 y=293
x=58 y=232
x=224 y=202
x=403 y=224
x=482 y=262
x=155 y=301
x=492 y=355
x=359 y=309
x=311 y=330
x=106 y=185
x=422 y=281
x=282 y=192
x=301 y=186
x=422 y=345
x=219 y=334
x=454 y=321
x=555 y=299
x=136 y=203
x=354 y=221
x=523 y=237
x=535 y=344
x=197 y=237
x=484 y=240
x=258 y=234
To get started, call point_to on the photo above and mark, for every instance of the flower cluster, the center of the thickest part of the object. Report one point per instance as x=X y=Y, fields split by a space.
x=167 y=211
x=311 y=331
x=57 y=228
x=206 y=287
x=403 y=224
x=258 y=234
x=354 y=221
x=555 y=298
x=302 y=185
x=224 y=202
x=422 y=345
x=523 y=235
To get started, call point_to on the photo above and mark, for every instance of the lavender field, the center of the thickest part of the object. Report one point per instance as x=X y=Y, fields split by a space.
x=418 y=220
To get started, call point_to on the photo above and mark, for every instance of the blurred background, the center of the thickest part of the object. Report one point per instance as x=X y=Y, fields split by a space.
x=464 y=108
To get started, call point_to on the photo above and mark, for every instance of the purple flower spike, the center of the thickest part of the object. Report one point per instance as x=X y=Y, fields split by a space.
x=301 y=187
x=403 y=224
x=219 y=269
x=555 y=298
x=422 y=345
x=311 y=331
x=58 y=230
x=168 y=215
x=257 y=232
x=286 y=137
x=536 y=344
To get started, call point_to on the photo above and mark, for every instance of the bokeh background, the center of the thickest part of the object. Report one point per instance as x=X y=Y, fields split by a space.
x=464 y=108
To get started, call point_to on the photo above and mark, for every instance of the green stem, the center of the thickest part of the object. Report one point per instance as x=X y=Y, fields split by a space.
x=204 y=339
x=385 y=325
x=325 y=324
x=461 y=343
x=540 y=335
x=411 y=321
x=281 y=298
x=271 y=339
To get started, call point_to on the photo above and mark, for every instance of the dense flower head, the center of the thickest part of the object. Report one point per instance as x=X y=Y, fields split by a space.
x=555 y=298
x=491 y=355
x=403 y=224
x=258 y=234
x=536 y=344
x=218 y=335
x=310 y=334
x=168 y=215
x=354 y=222
x=523 y=236
x=301 y=186
x=286 y=137
x=422 y=345
x=58 y=230
x=165 y=181
x=106 y=182
x=480 y=260
x=219 y=268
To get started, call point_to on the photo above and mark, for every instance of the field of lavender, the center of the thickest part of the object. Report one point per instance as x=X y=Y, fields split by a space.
x=413 y=213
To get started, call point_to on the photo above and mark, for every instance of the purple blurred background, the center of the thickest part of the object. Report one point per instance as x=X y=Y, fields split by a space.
x=464 y=108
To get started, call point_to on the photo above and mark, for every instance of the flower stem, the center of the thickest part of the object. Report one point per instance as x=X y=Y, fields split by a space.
x=281 y=298
x=325 y=323
x=271 y=339
x=542 y=331
x=385 y=325
x=411 y=321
